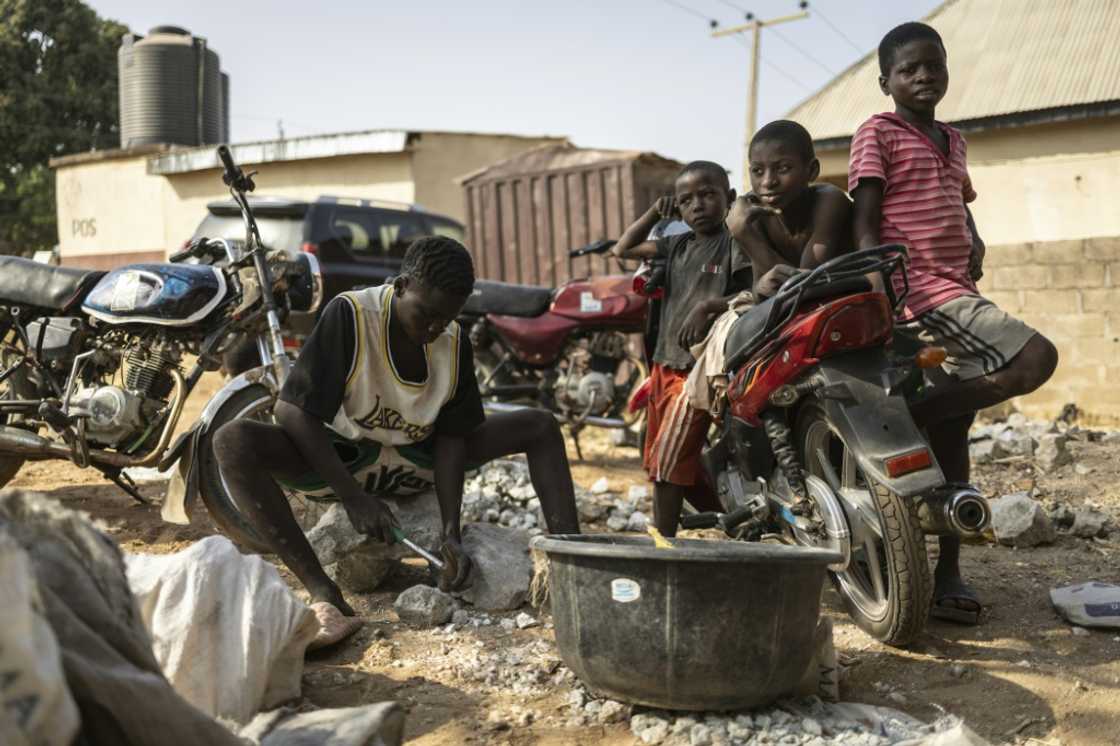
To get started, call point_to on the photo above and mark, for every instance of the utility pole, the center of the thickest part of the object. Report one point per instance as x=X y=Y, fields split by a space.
x=755 y=25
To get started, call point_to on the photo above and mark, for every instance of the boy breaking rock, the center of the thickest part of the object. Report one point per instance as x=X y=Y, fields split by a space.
x=909 y=178
x=705 y=268
x=387 y=378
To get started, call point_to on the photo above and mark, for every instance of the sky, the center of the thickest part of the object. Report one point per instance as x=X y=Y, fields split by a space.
x=629 y=74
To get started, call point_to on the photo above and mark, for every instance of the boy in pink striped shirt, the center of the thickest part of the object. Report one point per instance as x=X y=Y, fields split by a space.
x=909 y=179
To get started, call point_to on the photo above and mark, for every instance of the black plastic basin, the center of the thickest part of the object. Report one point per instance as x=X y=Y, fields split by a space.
x=706 y=625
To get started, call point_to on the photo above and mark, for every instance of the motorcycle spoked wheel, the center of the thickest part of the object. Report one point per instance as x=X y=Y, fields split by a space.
x=887 y=588
x=254 y=402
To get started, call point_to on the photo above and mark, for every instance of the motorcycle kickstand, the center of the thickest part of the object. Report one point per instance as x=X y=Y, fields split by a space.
x=575 y=429
x=122 y=480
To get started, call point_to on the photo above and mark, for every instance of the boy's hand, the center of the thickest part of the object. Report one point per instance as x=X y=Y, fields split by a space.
x=976 y=259
x=771 y=282
x=666 y=208
x=747 y=209
x=371 y=516
x=456 y=566
x=695 y=326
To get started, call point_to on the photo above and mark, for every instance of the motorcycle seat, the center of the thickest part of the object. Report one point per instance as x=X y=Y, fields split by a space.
x=28 y=283
x=747 y=334
x=507 y=299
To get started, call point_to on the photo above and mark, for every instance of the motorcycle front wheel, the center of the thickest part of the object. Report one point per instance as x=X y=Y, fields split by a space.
x=887 y=588
x=254 y=402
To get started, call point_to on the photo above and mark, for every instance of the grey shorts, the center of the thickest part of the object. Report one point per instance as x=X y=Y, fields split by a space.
x=979 y=337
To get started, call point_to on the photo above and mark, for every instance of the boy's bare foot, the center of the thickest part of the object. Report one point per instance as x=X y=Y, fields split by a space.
x=333 y=596
x=954 y=600
x=334 y=626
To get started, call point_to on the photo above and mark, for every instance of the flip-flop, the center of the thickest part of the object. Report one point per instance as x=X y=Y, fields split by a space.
x=334 y=626
x=947 y=605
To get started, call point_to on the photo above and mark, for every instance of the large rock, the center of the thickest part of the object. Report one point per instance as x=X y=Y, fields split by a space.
x=353 y=560
x=1089 y=523
x=982 y=451
x=420 y=518
x=1013 y=441
x=502 y=568
x=1053 y=452
x=424 y=606
x=1019 y=521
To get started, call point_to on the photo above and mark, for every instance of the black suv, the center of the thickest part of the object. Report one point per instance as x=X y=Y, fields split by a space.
x=359 y=242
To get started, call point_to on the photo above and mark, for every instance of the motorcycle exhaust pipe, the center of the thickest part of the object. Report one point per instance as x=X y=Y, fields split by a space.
x=960 y=512
x=610 y=423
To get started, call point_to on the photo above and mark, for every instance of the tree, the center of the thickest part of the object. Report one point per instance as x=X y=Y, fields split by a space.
x=58 y=95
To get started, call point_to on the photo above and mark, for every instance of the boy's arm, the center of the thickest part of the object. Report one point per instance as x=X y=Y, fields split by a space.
x=459 y=417
x=979 y=249
x=368 y=514
x=312 y=396
x=742 y=222
x=632 y=243
x=832 y=228
x=867 y=213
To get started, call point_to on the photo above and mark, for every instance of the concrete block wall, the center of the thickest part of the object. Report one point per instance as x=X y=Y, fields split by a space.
x=1069 y=291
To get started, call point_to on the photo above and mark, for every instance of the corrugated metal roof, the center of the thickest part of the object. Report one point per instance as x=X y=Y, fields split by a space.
x=558 y=157
x=1005 y=57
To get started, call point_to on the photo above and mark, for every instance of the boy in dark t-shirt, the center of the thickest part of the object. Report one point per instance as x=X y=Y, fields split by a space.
x=704 y=269
x=387 y=379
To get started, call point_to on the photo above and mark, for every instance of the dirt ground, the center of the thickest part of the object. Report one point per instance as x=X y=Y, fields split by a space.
x=1022 y=676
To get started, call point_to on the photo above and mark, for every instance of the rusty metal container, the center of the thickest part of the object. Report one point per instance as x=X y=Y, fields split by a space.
x=524 y=214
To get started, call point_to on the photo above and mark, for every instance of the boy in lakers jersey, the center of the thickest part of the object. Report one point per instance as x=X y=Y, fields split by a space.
x=385 y=389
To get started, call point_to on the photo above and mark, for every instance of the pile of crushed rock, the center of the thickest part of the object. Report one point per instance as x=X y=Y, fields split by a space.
x=502 y=493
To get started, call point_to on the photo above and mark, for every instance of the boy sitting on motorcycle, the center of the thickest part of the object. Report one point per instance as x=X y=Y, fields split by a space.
x=705 y=268
x=909 y=178
x=788 y=223
x=388 y=371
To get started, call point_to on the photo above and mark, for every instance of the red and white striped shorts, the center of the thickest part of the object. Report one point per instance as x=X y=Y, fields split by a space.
x=675 y=432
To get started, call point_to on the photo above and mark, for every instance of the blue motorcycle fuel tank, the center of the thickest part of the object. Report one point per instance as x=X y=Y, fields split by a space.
x=165 y=294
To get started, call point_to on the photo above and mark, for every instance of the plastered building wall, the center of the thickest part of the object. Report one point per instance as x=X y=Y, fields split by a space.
x=1050 y=182
x=1069 y=291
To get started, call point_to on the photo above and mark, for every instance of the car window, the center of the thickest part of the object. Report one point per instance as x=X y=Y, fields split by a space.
x=398 y=230
x=276 y=232
x=446 y=228
x=355 y=229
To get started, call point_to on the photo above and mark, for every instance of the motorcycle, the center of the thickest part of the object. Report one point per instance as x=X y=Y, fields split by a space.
x=816 y=445
x=93 y=362
x=566 y=350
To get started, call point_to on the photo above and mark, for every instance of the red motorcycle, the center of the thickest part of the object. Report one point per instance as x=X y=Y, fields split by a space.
x=816 y=443
x=569 y=350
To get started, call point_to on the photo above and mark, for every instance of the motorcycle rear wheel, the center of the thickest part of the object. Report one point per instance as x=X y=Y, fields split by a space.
x=887 y=588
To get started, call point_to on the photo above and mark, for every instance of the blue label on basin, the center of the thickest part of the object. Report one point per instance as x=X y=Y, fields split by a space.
x=625 y=590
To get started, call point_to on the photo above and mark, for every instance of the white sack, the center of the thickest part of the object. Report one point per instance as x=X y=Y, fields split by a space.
x=227 y=631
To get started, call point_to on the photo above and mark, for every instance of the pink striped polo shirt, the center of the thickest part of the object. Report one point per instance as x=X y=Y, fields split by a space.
x=924 y=194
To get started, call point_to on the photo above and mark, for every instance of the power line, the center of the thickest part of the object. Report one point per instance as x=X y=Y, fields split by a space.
x=733 y=6
x=839 y=33
x=802 y=52
x=776 y=68
x=690 y=11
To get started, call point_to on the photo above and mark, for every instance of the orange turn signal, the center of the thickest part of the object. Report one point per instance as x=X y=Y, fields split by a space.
x=930 y=357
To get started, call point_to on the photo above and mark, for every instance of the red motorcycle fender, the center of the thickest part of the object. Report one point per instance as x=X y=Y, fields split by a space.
x=875 y=425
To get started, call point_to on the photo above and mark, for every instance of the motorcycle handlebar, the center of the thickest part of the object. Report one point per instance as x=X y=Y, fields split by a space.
x=598 y=247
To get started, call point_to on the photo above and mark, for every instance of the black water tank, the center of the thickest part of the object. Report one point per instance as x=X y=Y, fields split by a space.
x=171 y=90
